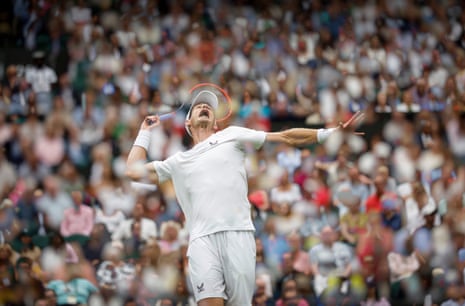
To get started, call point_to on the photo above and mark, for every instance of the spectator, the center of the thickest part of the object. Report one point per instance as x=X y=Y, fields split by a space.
x=374 y=200
x=315 y=67
x=26 y=210
x=112 y=220
x=7 y=174
x=372 y=251
x=41 y=78
x=28 y=286
x=408 y=104
x=285 y=193
x=354 y=222
x=147 y=227
x=93 y=248
x=291 y=295
x=14 y=85
x=25 y=247
x=456 y=134
x=260 y=296
x=50 y=296
x=390 y=214
x=331 y=259
x=78 y=220
x=114 y=275
x=55 y=256
x=74 y=290
x=9 y=226
x=53 y=202
x=169 y=237
x=301 y=262
x=357 y=183
x=133 y=244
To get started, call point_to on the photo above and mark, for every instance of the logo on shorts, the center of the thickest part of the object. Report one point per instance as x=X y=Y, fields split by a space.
x=200 y=288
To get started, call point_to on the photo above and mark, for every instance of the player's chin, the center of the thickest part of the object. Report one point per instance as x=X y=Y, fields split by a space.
x=205 y=119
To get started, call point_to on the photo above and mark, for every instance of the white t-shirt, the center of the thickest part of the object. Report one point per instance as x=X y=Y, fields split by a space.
x=286 y=196
x=41 y=79
x=111 y=221
x=210 y=181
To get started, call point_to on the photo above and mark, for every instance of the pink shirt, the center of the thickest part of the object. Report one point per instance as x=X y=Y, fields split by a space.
x=77 y=221
x=50 y=151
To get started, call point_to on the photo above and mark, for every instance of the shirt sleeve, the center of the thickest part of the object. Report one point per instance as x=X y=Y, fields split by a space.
x=164 y=168
x=245 y=135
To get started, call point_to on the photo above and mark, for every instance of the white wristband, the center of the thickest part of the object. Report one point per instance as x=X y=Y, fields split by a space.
x=143 y=139
x=323 y=134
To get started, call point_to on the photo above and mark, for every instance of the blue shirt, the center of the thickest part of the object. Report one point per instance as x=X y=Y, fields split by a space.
x=76 y=291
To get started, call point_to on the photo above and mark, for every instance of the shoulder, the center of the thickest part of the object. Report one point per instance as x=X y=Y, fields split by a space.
x=239 y=129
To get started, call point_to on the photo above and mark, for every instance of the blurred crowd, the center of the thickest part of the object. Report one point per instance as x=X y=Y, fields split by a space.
x=373 y=219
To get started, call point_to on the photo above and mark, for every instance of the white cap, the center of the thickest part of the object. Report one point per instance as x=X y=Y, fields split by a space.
x=204 y=96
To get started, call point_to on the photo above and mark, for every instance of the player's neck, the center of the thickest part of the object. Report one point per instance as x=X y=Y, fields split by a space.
x=200 y=134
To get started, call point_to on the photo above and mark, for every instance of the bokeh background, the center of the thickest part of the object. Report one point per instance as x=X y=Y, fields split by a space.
x=376 y=219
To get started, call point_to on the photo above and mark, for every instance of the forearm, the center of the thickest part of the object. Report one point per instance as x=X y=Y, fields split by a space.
x=137 y=157
x=301 y=136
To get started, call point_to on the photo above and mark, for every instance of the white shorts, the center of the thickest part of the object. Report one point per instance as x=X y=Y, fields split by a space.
x=223 y=265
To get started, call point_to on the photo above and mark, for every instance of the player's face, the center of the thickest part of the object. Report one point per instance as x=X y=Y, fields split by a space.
x=202 y=115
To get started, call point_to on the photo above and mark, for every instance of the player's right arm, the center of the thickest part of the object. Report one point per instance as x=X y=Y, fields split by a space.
x=137 y=167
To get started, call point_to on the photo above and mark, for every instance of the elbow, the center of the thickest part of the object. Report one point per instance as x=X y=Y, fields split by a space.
x=129 y=173
x=134 y=171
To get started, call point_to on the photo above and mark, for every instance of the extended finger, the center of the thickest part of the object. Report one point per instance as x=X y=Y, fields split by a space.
x=355 y=117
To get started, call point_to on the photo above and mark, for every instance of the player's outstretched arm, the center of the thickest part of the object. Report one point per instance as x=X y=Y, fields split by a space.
x=137 y=168
x=303 y=136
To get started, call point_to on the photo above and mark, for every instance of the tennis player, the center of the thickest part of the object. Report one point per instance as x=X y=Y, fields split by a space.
x=211 y=187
